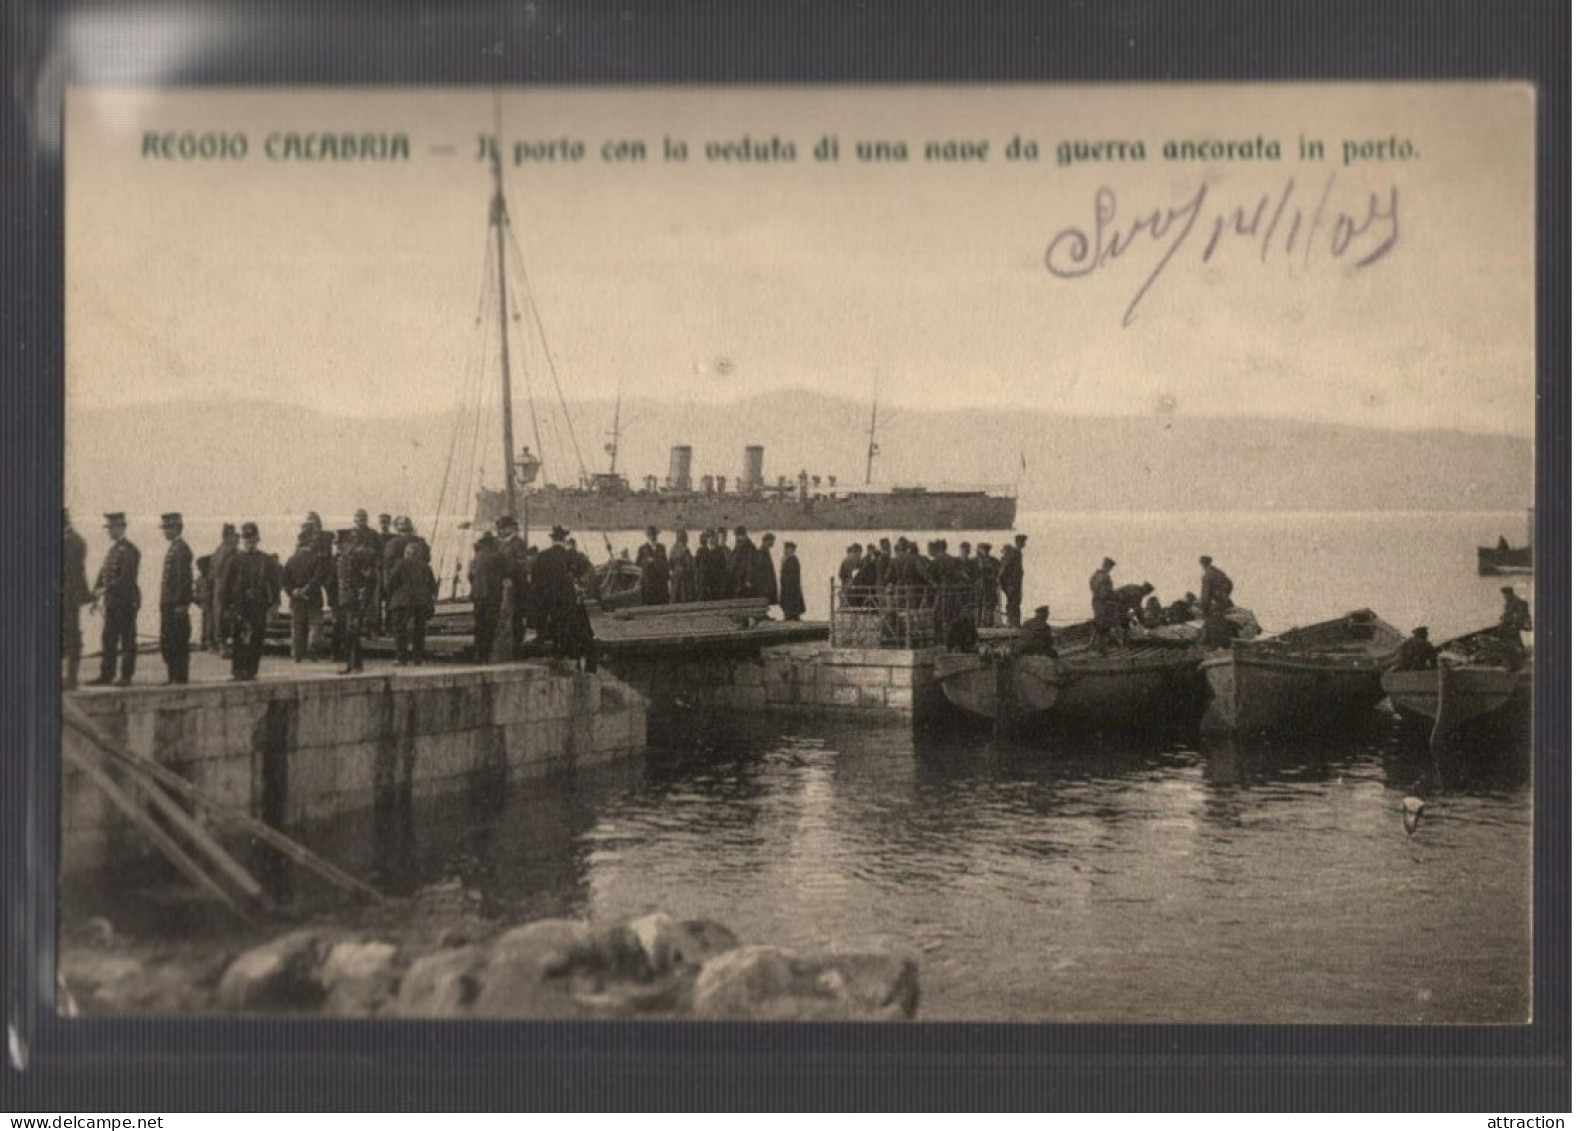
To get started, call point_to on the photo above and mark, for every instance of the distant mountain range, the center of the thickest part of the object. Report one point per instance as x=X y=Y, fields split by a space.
x=252 y=457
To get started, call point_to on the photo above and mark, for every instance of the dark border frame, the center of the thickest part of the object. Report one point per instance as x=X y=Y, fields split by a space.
x=150 y=1066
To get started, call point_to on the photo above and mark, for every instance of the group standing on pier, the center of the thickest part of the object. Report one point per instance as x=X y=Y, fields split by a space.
x=716 y=571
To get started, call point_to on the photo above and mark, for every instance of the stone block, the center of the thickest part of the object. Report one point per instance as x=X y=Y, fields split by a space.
x=356 y=773
x=140 y=726
x=901 y=676
x=208 y=724
x=442 y=755
x=227 y=781
x=840 y=697
x=240 y=724
x=311 y=773
x=511 y=701
x=872 y=697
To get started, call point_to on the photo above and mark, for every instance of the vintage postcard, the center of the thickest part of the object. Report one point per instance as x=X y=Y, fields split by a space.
x=1012 y=553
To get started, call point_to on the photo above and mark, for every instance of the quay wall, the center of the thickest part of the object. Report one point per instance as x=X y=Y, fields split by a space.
x=886 y=685
x=295 y=750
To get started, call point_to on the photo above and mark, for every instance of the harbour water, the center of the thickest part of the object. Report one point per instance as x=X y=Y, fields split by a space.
x=1158 y=878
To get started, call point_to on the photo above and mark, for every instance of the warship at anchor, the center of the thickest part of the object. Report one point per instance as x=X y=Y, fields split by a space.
x=608 y=501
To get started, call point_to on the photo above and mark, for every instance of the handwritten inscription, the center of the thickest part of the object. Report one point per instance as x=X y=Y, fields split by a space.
x=1278 y=223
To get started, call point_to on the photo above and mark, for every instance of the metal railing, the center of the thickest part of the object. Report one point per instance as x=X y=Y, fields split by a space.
x=907 y=616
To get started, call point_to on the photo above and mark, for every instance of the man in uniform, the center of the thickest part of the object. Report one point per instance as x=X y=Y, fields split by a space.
x=1012 y=578
x=1102 y=602
x=557 y=599
x=251 y=593
x=1514 y=619
x=1034 y=636
x=486 y=578
x=742 y=565
x=358 y=591
x=412 y=589
x=218 y=571
x=1129 y=600
x=116 y=587
x=175 y=600
x=304 y=586
x=1215 y=590
x=989 y=567
x=792 y=584
x=652 y=558
x=764 y=577
x=74 y=593
x=517 y=572
x=1417 y=654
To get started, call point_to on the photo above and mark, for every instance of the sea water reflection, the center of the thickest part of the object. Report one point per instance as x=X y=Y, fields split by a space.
x=1141 y=880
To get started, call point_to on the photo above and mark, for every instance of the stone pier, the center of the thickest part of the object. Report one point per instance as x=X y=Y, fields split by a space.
x=289 y=750
x=880 y=684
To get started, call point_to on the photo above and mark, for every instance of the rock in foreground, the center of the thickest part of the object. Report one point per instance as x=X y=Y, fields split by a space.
x=654 y=966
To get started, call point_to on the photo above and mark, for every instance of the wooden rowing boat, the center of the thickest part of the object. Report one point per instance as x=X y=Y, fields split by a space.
x=1302 y=678
x=1129 y=685
x=1481 y=690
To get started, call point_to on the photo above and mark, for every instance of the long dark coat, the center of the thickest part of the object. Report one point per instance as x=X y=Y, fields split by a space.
x=792 y=590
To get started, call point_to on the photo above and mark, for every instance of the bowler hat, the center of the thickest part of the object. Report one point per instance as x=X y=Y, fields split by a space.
x=114 y=518
x=558 y=533
x=1206 y=560
x=170 y=518
x=507 y=522
x=1507 y=588
x=1042 y=611
x=249 y=530
x=361 y=516
x=1422 y=632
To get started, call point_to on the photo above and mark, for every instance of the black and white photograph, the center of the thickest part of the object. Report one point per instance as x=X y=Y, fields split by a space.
x=1016 y=553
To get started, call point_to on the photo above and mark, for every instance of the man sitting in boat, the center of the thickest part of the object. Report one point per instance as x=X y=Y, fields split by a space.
x=1034 y=637
x=1416 y=653
x=1183 y=611
x=1514 y=619
x=1129 y=600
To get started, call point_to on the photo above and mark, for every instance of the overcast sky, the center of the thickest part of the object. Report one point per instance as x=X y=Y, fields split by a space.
x=352 y=287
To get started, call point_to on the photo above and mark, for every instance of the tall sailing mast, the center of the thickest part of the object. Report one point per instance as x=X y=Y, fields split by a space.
x=498 y=217
x=611 y=447
x=874 y=448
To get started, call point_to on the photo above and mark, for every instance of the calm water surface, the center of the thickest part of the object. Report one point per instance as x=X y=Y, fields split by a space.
x=1161 y=878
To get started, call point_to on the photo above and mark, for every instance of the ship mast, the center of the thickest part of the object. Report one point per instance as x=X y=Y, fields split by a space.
x=612 y=445
x=498 y=217
x=870 y=452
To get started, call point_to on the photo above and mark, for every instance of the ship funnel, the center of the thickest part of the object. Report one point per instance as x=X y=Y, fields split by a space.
x=754 y=478
x=679 y=468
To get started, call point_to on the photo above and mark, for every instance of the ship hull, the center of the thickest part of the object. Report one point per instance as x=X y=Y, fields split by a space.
x=922 y=511
x=1466 y=703
x=1250 y=696
x=1306 y=678
x=1038 y=694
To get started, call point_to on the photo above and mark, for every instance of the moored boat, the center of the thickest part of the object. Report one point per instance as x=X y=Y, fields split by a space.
x=1304 y=676
x=1481 y=689
x=1128 y=685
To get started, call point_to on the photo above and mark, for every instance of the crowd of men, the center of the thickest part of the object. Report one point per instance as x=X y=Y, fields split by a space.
x=717 y=571
x=973 y=579
x=375 y=581
x=372 y=580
